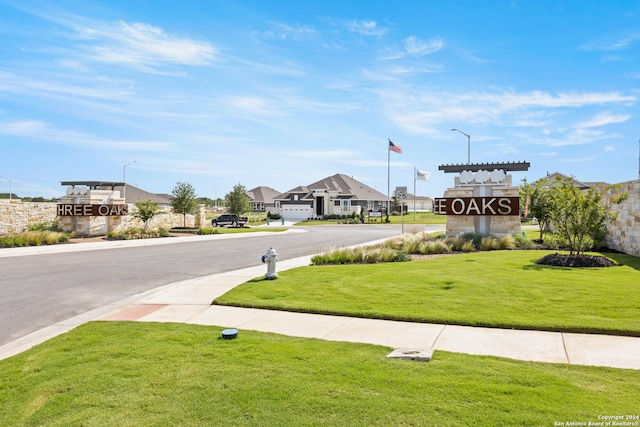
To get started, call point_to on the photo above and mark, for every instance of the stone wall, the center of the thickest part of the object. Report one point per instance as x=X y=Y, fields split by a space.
x=623 y=234
x=16 y=216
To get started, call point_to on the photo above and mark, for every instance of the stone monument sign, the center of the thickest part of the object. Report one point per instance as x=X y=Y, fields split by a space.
x=483 y=199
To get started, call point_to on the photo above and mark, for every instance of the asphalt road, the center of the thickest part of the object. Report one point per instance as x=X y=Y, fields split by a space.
x=37 y=291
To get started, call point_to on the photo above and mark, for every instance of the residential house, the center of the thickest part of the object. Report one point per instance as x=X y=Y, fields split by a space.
x=335 y=195
x=418 y=203
x=263 y=199
x=551 y=177
x=134 y=194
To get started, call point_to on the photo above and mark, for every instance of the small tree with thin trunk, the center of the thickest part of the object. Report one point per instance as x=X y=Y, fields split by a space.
x=145 y=210
x=184 y=200
x=580 y=216
x=237 y=200
x=537 y=200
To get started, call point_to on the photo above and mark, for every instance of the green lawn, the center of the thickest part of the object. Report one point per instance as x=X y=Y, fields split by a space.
x=135 y=374
x=420 y=218
x=504 y=289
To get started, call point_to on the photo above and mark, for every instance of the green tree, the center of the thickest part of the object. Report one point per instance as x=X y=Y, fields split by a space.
x=237 y=200
x=145 y=210
x=537 y=200
x=580 y=216
x=184 y=200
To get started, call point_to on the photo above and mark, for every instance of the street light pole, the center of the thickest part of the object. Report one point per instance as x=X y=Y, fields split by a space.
x=9 y=185
x=468 y=144
x=124 y=180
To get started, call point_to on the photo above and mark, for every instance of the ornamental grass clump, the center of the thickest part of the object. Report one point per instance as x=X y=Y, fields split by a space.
x=207 y=231
x=432 y=247
x=137 y=233
x=359 y=255
x=522 y=242
x=488 y=243
x=396 y=242
x=459 y=242
x=33 y=238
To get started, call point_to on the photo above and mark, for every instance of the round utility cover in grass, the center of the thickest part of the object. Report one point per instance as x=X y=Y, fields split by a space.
x=229 y=334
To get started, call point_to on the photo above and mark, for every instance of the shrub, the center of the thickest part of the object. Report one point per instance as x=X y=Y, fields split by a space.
x=137 y=233
x=555 y=241
x=33 y=238
x=488 y=243
x=458 y=243
x=361 y=254
x=468 y=246
x=521 y=242
x=208 y=231
x=434 y=247
x=44 y=226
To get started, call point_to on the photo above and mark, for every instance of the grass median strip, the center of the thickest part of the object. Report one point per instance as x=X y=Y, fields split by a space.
x=121 y=373
x=504 y=289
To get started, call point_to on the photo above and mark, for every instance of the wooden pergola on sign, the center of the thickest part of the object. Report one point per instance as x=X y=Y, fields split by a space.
x=483 y=199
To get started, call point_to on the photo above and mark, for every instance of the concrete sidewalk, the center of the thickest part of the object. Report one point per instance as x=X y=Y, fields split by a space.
x=189 y=302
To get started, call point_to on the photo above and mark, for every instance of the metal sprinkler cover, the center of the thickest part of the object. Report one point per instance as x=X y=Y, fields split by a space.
x=229 y=334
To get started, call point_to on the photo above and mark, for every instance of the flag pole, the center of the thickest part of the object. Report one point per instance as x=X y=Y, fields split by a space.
x=415 y=176
x=388 y=175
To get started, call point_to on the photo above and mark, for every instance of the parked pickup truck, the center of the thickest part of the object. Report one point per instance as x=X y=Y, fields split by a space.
x=231 y=220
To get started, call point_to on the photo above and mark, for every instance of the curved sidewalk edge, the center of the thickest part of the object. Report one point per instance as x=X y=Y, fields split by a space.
x=189 y=301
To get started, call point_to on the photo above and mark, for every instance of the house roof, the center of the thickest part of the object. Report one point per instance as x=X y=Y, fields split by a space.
x=262 y=194
x=135 y=194
x=581 y=185
x=341 y=185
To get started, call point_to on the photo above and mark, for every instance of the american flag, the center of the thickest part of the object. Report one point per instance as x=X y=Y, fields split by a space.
x=395 y=147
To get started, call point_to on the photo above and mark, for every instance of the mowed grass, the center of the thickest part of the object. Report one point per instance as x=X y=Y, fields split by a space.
x=135 y=374
x=503 y=289
x=409 y=219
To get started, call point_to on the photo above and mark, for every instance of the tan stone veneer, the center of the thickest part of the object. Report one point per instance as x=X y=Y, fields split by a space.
x=623 y=234
x=16 y=216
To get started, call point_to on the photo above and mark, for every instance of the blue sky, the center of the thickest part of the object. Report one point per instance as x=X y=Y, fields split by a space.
x=284 y=93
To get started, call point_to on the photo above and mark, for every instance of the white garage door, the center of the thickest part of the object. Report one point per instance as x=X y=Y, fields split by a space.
x=296 y=212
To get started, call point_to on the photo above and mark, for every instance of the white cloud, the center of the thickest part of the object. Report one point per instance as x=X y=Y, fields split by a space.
x=603 y=119
x=143 y=45
x=366 y=28
x=542 y=99
x=415 y=109
x=59 y=85
x=336 y=154
x=288 y=32
x=578 y=160
x=415 y=46
x=617 y=44
x=42 y=131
